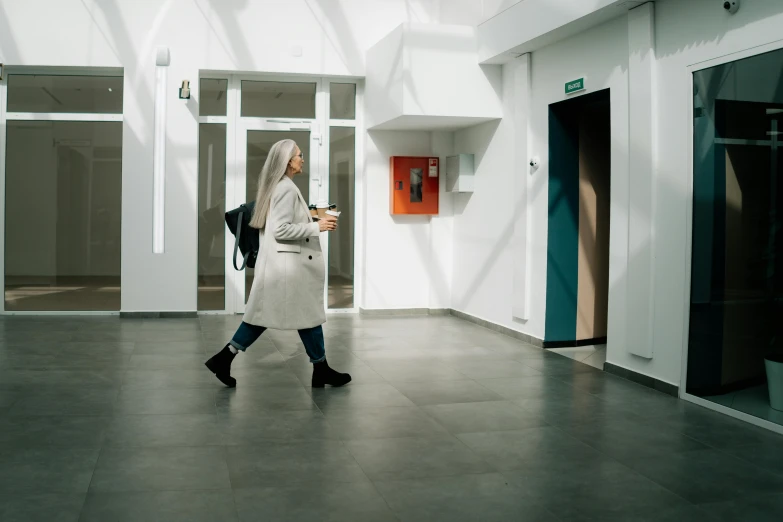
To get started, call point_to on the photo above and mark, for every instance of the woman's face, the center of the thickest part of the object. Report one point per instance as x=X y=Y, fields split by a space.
x=296 y=162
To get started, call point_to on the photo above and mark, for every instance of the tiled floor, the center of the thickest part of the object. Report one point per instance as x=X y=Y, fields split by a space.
x=104 y=419
x=595 y=356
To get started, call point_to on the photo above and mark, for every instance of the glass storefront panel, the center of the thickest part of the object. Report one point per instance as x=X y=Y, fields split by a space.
x=63 y=214
x=211 y=212
x=342 y=180
x=736 y=332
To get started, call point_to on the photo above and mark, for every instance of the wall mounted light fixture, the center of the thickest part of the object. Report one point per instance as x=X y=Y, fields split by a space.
x=184 y=91
x=162 y=60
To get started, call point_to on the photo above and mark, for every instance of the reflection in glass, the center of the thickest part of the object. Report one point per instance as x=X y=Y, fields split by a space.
x=416 y=185
x=212 y=97
x=62 y=211
x=61 y=94
x=737 y=260
x=342 y=181
x=211 y=213
x=278 y=100
x=258 y=145
x=342 y=101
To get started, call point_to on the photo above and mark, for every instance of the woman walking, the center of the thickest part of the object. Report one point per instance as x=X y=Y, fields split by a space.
x=288 y=287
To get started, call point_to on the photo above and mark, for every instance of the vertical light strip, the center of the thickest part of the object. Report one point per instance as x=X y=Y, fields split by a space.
x=159 y=152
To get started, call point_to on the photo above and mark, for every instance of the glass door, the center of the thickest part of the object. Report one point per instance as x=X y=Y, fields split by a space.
x=271 y=111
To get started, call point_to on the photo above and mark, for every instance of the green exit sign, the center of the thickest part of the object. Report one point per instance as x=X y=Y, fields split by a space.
x=575 y=86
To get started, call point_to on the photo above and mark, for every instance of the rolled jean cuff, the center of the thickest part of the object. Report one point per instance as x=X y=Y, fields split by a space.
x=315 y=361
x=237 y=345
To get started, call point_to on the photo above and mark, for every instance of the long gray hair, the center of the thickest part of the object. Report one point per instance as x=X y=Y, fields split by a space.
x=275 y=167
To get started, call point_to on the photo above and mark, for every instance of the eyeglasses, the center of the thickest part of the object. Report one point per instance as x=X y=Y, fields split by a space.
x=301 y=155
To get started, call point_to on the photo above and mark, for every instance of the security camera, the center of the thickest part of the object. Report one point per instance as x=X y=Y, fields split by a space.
x=732 y=6
x=535 y=162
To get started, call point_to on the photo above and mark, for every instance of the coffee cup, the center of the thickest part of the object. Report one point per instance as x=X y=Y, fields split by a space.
x=313 y=211
x=321 y=208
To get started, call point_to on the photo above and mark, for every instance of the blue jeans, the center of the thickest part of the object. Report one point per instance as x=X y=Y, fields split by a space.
x=312 y=338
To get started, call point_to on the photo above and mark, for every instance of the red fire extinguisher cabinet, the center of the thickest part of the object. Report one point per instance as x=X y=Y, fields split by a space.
x=415 y=185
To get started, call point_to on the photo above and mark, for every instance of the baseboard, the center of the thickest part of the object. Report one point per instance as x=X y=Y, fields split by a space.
x=575 y=344
x=644 y=380
x=158 y=315
x=404 y=311
x=461 y=315
x=529 y=339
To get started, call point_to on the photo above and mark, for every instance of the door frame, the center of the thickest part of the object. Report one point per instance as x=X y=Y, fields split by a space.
x=689 y=124
x=237 y=127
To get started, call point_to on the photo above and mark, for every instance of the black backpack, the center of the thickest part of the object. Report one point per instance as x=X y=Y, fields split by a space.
x=238 y=221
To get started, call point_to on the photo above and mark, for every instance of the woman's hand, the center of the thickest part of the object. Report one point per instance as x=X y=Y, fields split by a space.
x=327 y=225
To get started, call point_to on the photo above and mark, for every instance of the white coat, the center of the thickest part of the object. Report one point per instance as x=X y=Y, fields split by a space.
x=288 y=286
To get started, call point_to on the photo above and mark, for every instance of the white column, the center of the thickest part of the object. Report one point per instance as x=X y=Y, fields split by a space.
x=521 y=68
x=641 y=197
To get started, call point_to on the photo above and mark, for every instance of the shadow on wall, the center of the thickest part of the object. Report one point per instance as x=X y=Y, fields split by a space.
x=704 y=33
x=482 y=136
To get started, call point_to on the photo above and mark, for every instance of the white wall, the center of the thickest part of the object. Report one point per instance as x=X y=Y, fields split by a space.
x=686 y=33
x=484 y=220
x=397 y=263
x=228 y=35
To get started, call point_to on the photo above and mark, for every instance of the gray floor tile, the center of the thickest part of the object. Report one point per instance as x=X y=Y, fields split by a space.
x=323 y=501
x=278 y=375
x=8 y=398
x=635 y=499
x=160 y=361
x=578 y=408
x=32 y=379
x=486 y=497
x=404 y=458
x=446 y=392
x=66 y=431
x=420 y=371
x=483 y=416
x=280 y=463
x=170 y=348
x=155 y=469
x=709 y=476
x=360 y=373
x=357 y=396
x=164 y=336
x=507 y=450
x=252 y=428
x=493 y=369
x=557 y=365
x=65 y=401
x=169 y=379
x=98 y=350
x=160 y=402
x=767 y=455
x=164 y=430
x=380 y=423
x=46 y=470
x=752 y=508
x=190 y=506
x=532 y=387
x=717 y=430
x=250 y=399
x=628 y=440
x=41 y=507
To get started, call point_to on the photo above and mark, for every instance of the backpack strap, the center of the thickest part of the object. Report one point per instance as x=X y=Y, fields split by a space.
x=236 y=244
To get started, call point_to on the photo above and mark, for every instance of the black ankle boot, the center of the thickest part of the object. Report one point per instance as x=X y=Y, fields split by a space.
x=323 y=375
x=220 y=365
